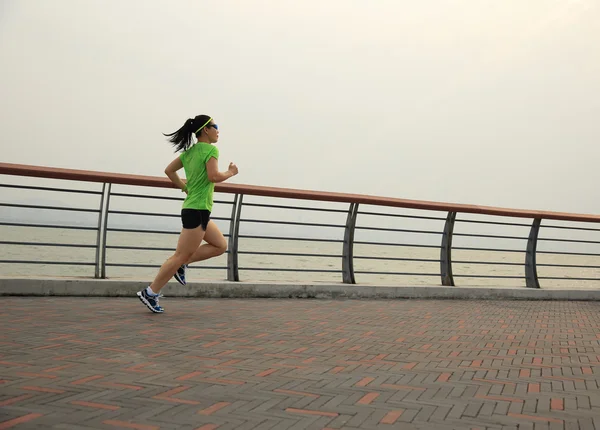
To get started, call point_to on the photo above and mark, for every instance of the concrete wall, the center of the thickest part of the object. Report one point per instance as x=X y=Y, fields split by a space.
x=128 y=288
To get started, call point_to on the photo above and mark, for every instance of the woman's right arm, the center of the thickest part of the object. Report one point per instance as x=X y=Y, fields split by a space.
x=212 y=169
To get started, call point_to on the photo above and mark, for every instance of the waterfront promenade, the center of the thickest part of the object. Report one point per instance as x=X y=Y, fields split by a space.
x=330 y=351
x=108 y=363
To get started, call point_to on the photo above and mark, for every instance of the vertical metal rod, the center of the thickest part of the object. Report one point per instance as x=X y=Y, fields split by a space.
x=348 y=247
x=446 y=251
x=531 y=278
x=230 y=256
x=103 y=264
x=99 y=235
x=234 y=232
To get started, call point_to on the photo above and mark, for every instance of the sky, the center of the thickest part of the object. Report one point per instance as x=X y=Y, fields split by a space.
x=465 y=101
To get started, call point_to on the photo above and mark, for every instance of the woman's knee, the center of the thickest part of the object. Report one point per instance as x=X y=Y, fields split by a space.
x=214 y=237
x=221 y=247
x=182 y=256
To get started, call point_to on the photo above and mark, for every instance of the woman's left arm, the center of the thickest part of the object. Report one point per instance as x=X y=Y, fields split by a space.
x=171 y=172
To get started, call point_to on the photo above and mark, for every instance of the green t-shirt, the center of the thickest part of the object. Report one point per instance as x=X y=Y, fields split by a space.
x=200 y=189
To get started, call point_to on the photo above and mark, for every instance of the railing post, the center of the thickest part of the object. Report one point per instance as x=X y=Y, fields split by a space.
x=348 y=249
x=446 y=251
x=104 y=231
x=99 y=234
x=234 y=231
x=531 y=279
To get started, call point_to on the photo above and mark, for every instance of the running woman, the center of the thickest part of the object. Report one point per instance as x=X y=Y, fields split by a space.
x=200 y=162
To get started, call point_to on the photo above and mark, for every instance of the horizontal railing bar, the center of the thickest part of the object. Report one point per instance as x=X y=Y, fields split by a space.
x=491 y=263
x=289 y=254
x=424 y=260
x=579 y=266
x=68 y=227
x=270 y=269
x=435 y=260
x=525 y=225
x=473 y=221
x=586 y=254
x=65 y=263
x=132 y=230
x=160 y=214
x=64 y=190
x=332 y=255
x=395 y=244
x=138 y=248
x=489 y=276
x=570 y=228
x=143 y=213
x=360 y=272
x=302 y=208
x=489 y=236
x=301 y=239
x=287 y=193
x=153 y=266
x=568 y=278
x=145 y=196
x=437 y=274
x=466 y=248
x=398 y=230
x=61 y=208
x=306 y=224
x=401 y=216
x=141 y=248
x=69 y=245
x=568 y=240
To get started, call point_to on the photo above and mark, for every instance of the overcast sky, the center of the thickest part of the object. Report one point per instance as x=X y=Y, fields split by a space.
x=468 y=101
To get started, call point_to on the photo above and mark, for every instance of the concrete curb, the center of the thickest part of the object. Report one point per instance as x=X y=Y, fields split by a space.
x=223 y=289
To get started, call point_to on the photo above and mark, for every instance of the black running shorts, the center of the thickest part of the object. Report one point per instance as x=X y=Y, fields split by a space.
x=192 y=218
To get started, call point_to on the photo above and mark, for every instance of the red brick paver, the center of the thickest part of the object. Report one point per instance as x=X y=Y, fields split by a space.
x=315 y=364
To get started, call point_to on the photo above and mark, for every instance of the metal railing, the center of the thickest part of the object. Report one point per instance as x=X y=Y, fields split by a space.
x=433 y=246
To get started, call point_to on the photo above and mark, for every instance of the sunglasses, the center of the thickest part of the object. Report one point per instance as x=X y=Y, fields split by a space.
x=215 y=126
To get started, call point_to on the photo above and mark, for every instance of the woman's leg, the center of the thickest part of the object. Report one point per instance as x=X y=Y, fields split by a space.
x=189 y=240
x=216 y=244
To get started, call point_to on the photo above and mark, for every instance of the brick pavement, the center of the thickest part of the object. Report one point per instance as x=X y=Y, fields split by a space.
x=93 y=363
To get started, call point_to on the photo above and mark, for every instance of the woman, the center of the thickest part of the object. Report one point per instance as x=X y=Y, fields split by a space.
x=200 y=162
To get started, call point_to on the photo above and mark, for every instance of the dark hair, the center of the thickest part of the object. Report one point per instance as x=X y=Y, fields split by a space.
x=182 y=138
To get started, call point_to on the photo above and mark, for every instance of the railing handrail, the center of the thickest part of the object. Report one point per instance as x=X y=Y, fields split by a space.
x=290 y=193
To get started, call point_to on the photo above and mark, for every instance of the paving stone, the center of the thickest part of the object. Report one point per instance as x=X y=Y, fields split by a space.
x=82 y=363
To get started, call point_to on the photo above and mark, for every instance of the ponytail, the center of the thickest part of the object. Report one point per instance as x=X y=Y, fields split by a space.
x=182 y=138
